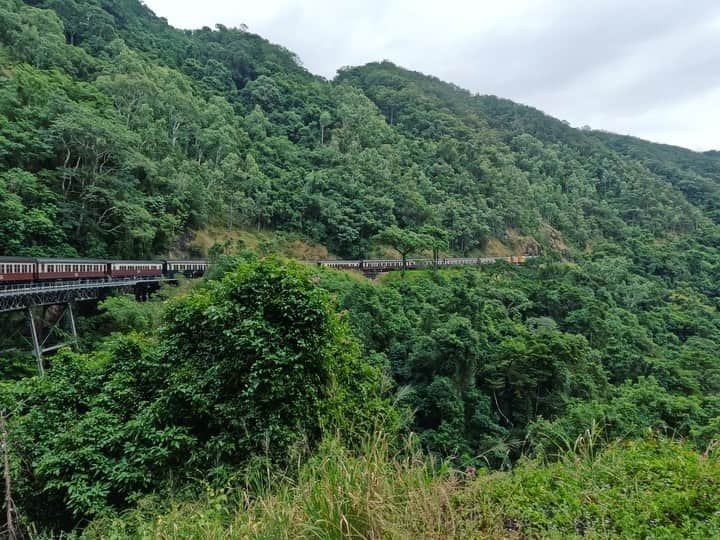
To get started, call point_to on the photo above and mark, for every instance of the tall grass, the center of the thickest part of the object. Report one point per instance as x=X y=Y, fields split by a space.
x=370 y=494
x=655 y=488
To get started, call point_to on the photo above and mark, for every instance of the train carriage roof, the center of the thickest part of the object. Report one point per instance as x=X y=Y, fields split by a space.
x=135 y=262
x=68 y=260
x=17 y=260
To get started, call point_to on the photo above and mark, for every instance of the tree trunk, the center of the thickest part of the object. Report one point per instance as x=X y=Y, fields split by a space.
x=9 y=504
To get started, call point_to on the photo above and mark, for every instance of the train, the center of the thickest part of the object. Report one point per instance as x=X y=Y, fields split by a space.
x=15 y=270
x=383 y=265
x=19 y=270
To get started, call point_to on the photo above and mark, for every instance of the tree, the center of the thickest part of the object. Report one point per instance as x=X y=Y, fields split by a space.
x=325 y=121
x=439 y=241
x=263 y=362
x=404 y=242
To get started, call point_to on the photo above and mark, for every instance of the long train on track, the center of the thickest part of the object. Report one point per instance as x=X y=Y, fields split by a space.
x=14 y=270
x=384 y=265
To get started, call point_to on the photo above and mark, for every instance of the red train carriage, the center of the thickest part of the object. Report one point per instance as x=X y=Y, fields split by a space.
x=53 y=269
x=137 y=269
x=16 y=269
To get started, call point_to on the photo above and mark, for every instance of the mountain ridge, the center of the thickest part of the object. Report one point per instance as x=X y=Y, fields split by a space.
x=261 y=142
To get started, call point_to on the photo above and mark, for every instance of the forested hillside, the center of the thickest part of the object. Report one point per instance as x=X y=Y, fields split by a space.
x=119 y=134
x=275 y=399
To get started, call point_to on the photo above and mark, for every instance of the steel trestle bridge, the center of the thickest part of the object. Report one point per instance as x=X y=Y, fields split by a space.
x=48 y=307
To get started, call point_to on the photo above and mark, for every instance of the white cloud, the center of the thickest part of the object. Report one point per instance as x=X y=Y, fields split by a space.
x=649 y=68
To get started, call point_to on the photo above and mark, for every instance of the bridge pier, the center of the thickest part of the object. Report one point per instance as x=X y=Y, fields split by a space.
x=144 y=290
x=56 y=299
x=41 y=330
x=37 y=351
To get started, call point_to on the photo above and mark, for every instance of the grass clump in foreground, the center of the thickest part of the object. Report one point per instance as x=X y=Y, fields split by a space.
x=654 y=488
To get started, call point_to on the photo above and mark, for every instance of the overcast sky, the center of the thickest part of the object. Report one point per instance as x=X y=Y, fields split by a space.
x=649 y=68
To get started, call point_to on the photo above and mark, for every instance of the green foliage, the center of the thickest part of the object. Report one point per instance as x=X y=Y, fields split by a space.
x=120 y=135
x=248 y=366
x=654 y=488
x=262 y=362
x=504 y=360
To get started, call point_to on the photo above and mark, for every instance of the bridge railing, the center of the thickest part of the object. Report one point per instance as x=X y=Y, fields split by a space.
x=73 y=285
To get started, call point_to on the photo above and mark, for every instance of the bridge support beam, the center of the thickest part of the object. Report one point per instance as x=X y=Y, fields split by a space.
x=73 y=328
x=42 y=329
x=35 y=341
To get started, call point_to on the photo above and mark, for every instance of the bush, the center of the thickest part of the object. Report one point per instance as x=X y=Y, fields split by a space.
x=261 y=362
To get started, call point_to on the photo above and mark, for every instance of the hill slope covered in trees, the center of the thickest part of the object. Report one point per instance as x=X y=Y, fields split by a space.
x=120 y=133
